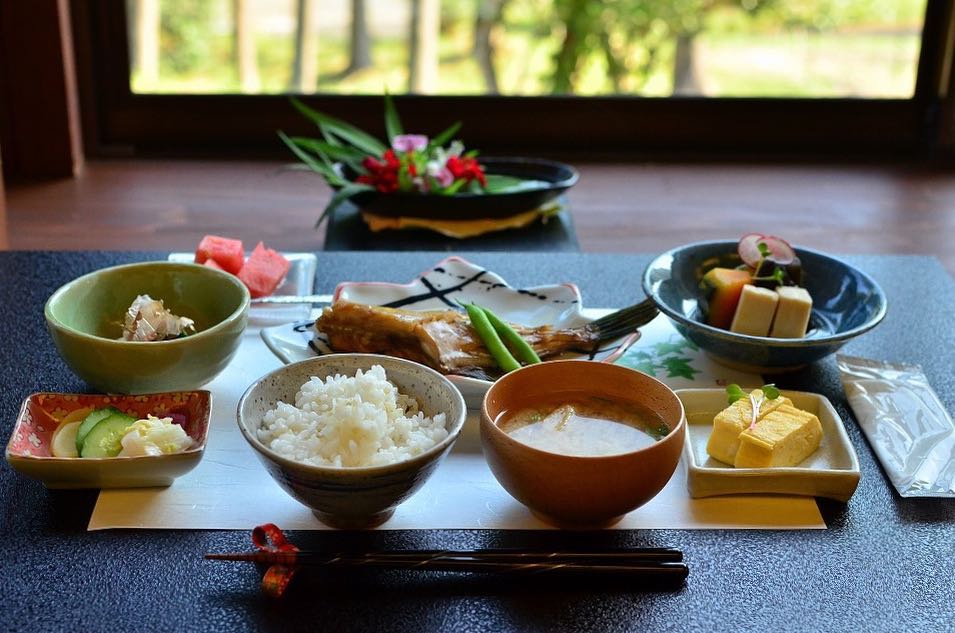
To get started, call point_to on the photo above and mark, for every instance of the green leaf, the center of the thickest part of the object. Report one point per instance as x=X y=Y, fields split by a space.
x=644 y=366
x=454 y=187
x=763 y=249
x=405 y=180
x=499 y=183
x=647 y=368
x=320 y=167
x=340 y=197
x=734 y=393
x=333 y=153
x=392 y=120
x=445 y=136
x=296 y=167
x=679 y=368
x=665 y=348
x=770 y=391
x=337 y=128
x=329 y=164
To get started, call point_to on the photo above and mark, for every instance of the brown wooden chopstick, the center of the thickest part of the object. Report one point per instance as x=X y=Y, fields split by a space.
x=639 y=563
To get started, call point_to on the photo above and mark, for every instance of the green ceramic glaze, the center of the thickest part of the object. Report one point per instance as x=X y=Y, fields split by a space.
x=85 y=320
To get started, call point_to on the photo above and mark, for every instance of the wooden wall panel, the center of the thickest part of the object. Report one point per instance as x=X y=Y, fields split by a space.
x=4 y=240
x=39 y=120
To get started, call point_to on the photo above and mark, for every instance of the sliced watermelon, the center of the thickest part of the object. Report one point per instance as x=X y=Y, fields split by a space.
x=226 y=252
x=211 y=263
x=264 y=271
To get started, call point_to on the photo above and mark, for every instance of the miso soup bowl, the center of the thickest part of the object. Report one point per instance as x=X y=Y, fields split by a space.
x=580 y=492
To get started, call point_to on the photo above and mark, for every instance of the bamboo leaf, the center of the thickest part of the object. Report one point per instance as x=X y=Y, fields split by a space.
x=340 y=197
x=454 y=187
x=330 y=126
x=445 y=136
x=334 y=153
x=393 y=126
x=315 y=117
x=500 y=183
x=325 y=169
x=329 y=164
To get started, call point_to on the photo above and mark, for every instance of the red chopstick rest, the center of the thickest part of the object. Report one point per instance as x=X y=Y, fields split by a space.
x=270 y=539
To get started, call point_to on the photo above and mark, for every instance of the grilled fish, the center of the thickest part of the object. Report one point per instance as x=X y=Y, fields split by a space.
x=441 y=339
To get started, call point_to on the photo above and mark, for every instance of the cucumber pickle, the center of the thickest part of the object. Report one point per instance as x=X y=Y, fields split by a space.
x=103 y=440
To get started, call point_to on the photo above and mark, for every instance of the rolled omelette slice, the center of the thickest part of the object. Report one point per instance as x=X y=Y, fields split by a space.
x=784 y=437
x=730 y=423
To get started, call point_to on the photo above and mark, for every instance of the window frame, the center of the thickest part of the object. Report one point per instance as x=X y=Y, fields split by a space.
x=117 y=122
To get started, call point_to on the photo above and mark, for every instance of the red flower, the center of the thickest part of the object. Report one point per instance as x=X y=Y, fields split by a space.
x=466 y=168
x=382 y=173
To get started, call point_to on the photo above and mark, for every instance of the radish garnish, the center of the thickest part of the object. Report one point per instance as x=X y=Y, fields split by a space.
x=748 y=249
x=779 y=250
x=755 y=247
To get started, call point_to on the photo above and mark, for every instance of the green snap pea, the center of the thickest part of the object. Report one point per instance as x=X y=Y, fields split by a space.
x=487 y=333
x=521 y=348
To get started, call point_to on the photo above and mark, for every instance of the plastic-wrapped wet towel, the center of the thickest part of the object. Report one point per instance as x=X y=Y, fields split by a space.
x=907 y=426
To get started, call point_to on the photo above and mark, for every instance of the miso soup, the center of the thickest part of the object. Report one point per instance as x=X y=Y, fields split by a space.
x=584 y=425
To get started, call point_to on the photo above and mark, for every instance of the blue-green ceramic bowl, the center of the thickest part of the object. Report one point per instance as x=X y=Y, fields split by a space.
x=85 y=320
x=846 y=303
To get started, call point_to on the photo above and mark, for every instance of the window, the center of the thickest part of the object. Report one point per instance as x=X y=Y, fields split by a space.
x=621 y=76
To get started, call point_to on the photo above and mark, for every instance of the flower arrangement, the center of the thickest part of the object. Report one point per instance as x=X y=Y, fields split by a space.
x=352 y=161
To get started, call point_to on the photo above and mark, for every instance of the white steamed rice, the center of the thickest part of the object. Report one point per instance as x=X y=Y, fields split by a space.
x=345 y=421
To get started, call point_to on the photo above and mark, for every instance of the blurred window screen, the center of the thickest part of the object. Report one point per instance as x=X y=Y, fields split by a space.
x=654 y=48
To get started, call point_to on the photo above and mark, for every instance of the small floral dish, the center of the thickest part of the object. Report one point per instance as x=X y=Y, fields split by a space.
x=846 y=303
x=448 y=284
x=831 y=472
x=29 y=450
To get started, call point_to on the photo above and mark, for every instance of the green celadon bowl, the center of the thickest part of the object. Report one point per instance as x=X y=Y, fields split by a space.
x=85 y=319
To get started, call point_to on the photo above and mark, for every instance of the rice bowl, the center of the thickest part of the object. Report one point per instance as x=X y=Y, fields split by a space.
x=345 y=421
x=352 y=497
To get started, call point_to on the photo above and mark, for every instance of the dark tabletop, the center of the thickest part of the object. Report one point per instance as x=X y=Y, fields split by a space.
x=885 y=563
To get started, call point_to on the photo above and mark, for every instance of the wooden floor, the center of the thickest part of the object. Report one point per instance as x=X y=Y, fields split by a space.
x=169 y=205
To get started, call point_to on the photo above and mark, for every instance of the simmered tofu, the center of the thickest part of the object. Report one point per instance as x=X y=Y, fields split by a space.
x=754 y=314
x=792 y=312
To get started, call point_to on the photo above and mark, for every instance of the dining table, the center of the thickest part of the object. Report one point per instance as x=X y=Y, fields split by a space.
x=883 y=562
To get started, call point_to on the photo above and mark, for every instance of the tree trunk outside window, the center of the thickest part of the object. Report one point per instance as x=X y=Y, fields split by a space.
x=423 y=59
x=245 y=47
x=305 y=64
x=488 y=15
x=359 y=56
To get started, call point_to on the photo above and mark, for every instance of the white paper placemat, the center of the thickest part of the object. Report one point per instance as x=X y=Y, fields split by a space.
x=231 y=490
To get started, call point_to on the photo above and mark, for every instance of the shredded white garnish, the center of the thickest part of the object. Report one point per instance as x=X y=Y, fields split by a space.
x=148 y=320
